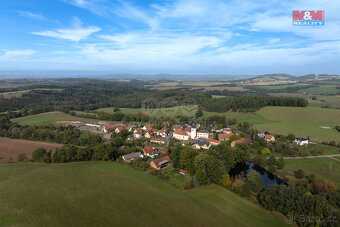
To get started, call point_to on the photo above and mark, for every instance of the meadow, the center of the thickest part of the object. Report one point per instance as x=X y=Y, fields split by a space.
x=321 y=90
x=49 y=118
x=111 y=194
x=301 y=121
x=322 y=168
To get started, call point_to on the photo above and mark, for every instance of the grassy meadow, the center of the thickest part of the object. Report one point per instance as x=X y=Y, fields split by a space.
x=49 y=118
x=110 y=194
x=323 y=168
x=302 y=121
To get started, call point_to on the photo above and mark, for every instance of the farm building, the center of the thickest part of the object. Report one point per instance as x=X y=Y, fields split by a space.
x=160 y=163
x=180 y=135
x=301 y=141
x=129 y=157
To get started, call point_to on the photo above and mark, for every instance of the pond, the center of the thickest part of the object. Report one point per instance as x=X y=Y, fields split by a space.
x=267 y=177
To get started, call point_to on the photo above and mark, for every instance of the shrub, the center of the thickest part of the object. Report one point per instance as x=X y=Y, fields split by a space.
x=265 y=151
x=299 y=174
x=38 y=155
x=22 y=157
x=225 y=181
x=319 y=186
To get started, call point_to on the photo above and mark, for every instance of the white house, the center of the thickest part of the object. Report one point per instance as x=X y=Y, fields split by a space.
x=227 y=131
x=301 y=141
x=263 y=134
x=269 y=138
x=180 y=135
x=202 y=134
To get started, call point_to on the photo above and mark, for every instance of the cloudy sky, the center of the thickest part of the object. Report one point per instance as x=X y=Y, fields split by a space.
x=179 y=36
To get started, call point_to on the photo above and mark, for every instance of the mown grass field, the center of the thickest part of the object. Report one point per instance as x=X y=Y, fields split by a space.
x=188 y=111
x=325 y=148
x=110 y=194
x=49 y=118
x=301 y=121
x=323 y=168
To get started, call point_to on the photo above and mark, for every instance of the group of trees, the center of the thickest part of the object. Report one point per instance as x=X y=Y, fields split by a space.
x=251 y=103
x=110 y=151
x=209 y=167
x=305 y=208
x=50 y=133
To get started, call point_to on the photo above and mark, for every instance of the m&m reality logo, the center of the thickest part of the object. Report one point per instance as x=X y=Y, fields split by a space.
x=308 y=18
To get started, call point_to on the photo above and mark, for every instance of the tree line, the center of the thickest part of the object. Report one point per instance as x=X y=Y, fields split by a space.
x=251 y=103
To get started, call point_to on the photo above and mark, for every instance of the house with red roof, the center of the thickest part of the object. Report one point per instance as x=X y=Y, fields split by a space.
x=180 y=134
x=150 y=151
x=227 y=131
x=225 y=137
x=213 y=141
x=158 y=140
x=269 y=138
x=160 y=163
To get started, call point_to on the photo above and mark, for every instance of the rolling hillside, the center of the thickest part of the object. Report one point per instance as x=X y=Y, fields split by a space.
x=110 y=194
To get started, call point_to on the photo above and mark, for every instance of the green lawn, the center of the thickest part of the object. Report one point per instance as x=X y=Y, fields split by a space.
x=49 y=118
x=326 y=149
x=188 y=111
x=323 y=168
x=110 y=194
x=302 y=121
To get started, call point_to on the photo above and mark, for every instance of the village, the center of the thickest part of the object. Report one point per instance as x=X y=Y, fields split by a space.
x=156 y=141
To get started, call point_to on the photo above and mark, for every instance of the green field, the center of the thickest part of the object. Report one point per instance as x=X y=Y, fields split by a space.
x=302 y=121
x=188 y=111
x=110 y=194
x=323 y=168
x=276 y=87
x=325 y=148
x=321 y=90
x=49 y=118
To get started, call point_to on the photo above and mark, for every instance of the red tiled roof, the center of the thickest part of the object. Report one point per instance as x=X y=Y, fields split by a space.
x=180 y=132
x=212 y=140
x=225 y=136
x=183 y=171
x=148 y=150
x=157 y=162
x=268 y=137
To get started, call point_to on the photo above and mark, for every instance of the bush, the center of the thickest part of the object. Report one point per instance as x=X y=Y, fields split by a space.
x=299 y=174
x=38 y=155
x=265 y=151
x=22 y=157
x=225 y=181
x=319 y=186
x=237 y=186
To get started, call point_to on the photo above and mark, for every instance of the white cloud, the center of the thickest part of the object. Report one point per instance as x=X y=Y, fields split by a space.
x=17 y=53
x=76 y=33
x=31 y=15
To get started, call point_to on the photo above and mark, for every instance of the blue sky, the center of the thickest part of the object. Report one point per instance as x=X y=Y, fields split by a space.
x=179 y=36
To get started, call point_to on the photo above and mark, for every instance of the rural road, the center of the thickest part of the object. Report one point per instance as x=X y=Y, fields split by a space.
x=317 y=156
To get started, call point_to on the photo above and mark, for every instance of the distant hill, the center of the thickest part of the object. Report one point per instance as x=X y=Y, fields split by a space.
x=287 y=77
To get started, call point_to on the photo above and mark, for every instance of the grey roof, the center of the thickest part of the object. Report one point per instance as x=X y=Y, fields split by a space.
x=131 y=156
